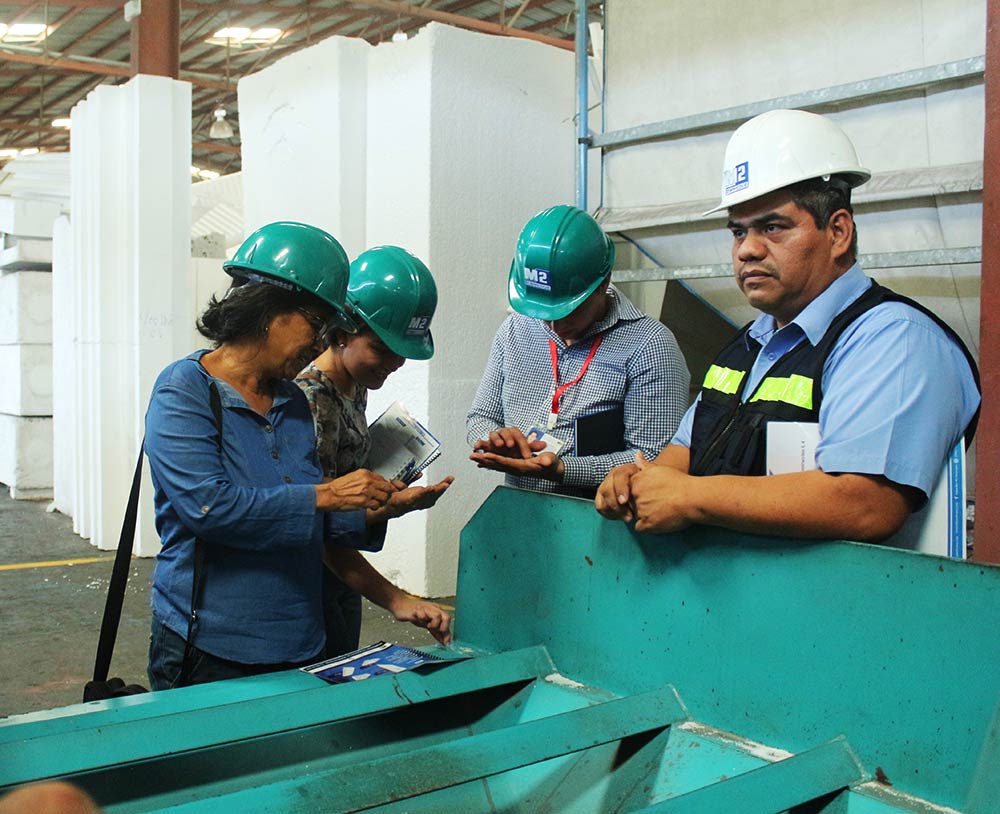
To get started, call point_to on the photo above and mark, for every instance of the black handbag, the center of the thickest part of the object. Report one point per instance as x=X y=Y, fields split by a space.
x=101 y=688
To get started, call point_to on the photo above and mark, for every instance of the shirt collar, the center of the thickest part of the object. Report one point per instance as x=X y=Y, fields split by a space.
x=620 y=309
x=229 y=396
x=815 y=318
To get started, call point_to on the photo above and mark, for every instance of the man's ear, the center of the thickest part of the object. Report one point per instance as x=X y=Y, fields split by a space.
x=841 y=228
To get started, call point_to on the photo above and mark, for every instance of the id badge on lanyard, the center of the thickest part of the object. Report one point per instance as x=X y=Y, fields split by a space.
x=560 y=389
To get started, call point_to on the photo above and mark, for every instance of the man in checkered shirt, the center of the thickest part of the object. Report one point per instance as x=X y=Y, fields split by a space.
x=575 y=347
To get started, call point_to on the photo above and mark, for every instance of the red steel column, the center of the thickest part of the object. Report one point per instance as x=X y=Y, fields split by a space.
x=156 y=39
x=987 y=536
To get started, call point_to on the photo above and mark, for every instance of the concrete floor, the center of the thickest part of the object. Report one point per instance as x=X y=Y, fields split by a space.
x=52 y=602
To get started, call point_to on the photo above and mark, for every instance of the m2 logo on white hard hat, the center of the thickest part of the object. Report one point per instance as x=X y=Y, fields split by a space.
x=537 y=278
x=737 y=178
x=418 y=326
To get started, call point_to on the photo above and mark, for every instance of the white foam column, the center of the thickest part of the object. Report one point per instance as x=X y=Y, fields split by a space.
x=131 y=204
x=468 y=136
x=302 y=125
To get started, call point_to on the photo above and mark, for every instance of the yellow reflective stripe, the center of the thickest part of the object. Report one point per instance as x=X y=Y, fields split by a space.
x=797 y=390
x=723 y=379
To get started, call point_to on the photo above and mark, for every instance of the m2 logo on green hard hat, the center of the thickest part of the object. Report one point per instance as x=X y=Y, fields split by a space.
x=418 y=326
x=737 y=178
x=537 y=278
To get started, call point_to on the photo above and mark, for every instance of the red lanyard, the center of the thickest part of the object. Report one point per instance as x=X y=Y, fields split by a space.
x=560 y=389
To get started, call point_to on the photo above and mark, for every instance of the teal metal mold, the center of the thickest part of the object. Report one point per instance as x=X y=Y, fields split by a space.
x=832 y=661
x=787 y=642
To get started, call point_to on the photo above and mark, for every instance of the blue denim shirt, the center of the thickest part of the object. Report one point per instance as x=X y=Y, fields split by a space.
x=254 y=505
x=897 y=391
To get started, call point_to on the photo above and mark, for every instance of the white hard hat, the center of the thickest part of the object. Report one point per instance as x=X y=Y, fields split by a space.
x=783 y=147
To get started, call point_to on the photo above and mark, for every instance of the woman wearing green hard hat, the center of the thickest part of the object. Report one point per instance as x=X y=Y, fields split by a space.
x=242 y=507
x=391 y=296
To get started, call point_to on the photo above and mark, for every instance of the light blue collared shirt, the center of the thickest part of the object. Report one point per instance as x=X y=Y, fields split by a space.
x=897 y=391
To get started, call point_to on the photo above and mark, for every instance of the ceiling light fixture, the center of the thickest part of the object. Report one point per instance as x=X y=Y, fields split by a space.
x=67 y=123
x=239 y=36
x=234 y=34
x=25 y=33
x=399 y=35
x=208 y=175
x=29 y=151
x=220 y=127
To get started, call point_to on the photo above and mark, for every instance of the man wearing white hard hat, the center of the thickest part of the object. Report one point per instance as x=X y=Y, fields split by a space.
x=891 y=387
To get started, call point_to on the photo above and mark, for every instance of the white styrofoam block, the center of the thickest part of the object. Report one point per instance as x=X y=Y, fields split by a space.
x=26 y=455
x=307 y=106
x=64 y=386
x=26 y=371
x=24 y=254
x=463 y=137
x=210 y=280
x=25 y=307
x=27 y=218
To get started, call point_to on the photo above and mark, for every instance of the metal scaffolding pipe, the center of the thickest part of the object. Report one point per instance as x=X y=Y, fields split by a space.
x=582 y=129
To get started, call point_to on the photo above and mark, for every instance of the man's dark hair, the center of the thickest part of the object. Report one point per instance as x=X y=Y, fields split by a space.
x=822 y=198
x=248 y=308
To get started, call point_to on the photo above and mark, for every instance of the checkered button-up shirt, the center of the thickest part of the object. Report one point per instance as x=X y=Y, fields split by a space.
x=637 y=365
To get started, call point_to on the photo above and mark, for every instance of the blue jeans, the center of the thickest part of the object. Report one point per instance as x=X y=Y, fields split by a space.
x=166 y=657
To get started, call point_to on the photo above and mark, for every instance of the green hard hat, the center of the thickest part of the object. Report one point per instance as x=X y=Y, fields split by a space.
x=562 y=256
x=298 y=257
x=395 y=295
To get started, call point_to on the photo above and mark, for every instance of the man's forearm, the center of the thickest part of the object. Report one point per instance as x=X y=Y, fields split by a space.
x=804 y=504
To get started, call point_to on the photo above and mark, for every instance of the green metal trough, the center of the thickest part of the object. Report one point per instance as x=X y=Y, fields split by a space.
x=702 y=672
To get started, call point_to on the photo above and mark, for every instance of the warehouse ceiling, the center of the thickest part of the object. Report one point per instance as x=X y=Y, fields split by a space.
x=52 y=54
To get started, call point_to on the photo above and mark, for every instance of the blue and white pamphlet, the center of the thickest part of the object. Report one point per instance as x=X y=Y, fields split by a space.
x=401 y=447
x=378 y=659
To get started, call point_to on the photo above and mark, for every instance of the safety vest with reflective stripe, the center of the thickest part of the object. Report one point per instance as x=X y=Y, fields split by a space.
x=729 y=436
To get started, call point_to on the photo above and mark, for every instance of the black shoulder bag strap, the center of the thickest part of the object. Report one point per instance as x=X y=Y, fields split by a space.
x=119 y=573
x=119 y=576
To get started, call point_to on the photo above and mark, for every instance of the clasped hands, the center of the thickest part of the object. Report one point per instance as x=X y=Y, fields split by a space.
x=653 y=496
x=508 y=450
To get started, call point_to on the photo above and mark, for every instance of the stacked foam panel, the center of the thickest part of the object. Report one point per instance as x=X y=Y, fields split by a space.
x=26 y=347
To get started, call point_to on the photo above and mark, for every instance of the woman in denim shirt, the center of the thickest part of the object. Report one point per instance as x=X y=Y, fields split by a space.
x=238 y=487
